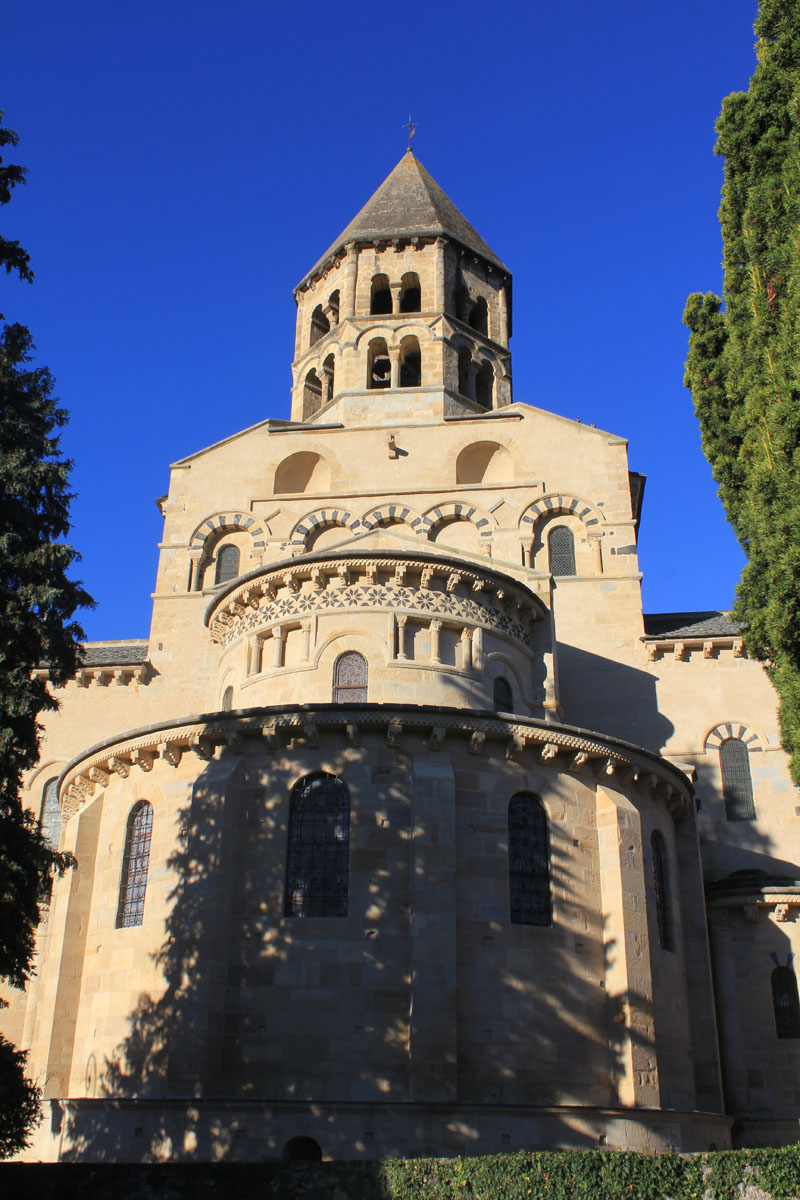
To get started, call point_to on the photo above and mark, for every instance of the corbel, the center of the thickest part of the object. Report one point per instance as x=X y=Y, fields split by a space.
x=353 y=734
x=652 y=651
x=679 y=651
x=343 y=575
x=85 y=785
x=269 y=733
x=98 y=775
x=708 y=649
x=436 y=738
x=425 y=577
x=143 y=759
x=371 y=571
x=476 y=741
x=171 y=752
x=549 y=751
x=118 y=678
x=311 y=733
x=119 y=766
x=738 y=648
x=578 y=760
x=233 y=742
x=400 y=574
x=453 y=580
x=393 y=733
x=203 y=747
x=317 y=580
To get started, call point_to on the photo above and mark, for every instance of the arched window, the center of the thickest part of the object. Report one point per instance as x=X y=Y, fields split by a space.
x=319 y=847
x=333 y=305
x=312 y=394
x=464 y=373
x=227 y=564
x=462 y=303
x=350 y=678
x=479 y=317
x=320 y=325
x=380 y=303
x=227 y=699
x=528 y=861
x=328 y=378
x=503 y=696
x=561 y=545
x=379 y=368
x=135 y=862
x=410 y=363
x=50 y=814
x=785 y=1003
x=737 y=785
x=484 y=385
x=662 y=890
x=302 y=1149
x=410 y=293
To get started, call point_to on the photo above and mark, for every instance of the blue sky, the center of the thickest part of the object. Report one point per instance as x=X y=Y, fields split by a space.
x=189 y=161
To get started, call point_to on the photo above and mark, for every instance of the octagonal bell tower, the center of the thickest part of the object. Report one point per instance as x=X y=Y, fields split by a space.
x=408 y=308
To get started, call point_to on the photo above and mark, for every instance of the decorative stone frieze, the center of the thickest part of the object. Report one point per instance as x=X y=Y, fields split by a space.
x=408 y=585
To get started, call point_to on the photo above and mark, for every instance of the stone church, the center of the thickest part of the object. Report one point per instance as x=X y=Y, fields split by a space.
x=405 y=832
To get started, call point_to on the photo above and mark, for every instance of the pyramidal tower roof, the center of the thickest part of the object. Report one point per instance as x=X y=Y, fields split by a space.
x=410 y=203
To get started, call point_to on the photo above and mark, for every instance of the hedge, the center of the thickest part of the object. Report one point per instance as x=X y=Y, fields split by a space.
x=546 y=1175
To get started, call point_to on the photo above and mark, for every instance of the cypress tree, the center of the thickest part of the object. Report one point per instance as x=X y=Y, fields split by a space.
x=743 y=367
x=37 y=605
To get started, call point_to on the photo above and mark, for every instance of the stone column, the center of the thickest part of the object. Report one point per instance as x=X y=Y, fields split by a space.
x=597 y=556
x=502 y=299
x=326 y=379
x=396 y=289
x=401 y=636
x=394 y=359
x=633 y=1066
x=278 y=638
x=435 y=627
x=306 y=641
x=348 y=300
x=433 y=1023
x=439 y=277
x=466 y=649
x=477 y=648
x=195 y=558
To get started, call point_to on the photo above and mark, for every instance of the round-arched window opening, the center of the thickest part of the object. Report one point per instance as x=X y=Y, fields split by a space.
x=302 y=1149
x=479 y=317
x=380 y=303
x=503 y=697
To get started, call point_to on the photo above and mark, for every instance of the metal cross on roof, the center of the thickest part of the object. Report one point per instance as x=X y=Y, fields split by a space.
x=412 y=129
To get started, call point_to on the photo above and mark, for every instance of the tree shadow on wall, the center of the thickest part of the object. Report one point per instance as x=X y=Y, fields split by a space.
x=259 y=1012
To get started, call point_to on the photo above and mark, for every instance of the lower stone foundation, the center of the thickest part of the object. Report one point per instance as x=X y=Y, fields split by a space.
x=181 y=1131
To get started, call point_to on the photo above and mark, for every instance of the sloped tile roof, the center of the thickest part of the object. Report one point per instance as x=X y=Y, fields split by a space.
x=409 y=203
x=114 y=654
x=690 y=625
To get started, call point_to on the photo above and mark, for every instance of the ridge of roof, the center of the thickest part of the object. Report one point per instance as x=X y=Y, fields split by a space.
x=713 y=623
x=409 y=203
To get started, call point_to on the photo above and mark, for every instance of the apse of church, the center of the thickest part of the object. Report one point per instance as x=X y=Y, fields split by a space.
x=388 y=835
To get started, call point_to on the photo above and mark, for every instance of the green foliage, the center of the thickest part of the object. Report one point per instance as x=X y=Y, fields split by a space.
x=547 y=1175
x=12 y=256
x=743 y=367
x=37 y=605
x=19 y=1100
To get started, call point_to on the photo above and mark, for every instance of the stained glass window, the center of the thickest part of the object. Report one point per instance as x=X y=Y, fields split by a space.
x=528 y=861
x=662 y=890
x=785 y=1003
x=737 y=786
x=562 y=551
x=227 y=564
x=135 y=866
x=319 y=847
x=350 y=678
x=50 y=819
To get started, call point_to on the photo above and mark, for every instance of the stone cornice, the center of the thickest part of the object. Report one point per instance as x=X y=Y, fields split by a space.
x=683 y=648
x=411 y=572
x=567 y=748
